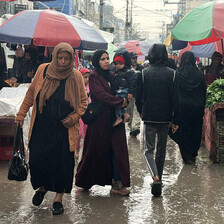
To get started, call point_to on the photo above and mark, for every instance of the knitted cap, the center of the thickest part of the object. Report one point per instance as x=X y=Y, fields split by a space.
x=84 y=71
x=119 y=59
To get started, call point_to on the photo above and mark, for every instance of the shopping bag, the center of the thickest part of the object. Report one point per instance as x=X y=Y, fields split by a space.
x=18 y=166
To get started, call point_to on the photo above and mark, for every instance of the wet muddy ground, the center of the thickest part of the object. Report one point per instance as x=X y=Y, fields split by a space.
x=192 y=194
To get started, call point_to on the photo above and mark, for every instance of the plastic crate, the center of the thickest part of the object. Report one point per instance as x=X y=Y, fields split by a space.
x=220 y=141
x=6 y=147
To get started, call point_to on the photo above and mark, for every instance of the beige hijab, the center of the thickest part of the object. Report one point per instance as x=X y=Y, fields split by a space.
x=55 y=74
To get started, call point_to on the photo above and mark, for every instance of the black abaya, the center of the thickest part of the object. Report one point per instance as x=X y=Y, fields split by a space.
x=51 y=162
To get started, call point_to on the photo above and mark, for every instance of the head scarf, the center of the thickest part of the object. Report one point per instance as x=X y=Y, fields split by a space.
x=55 y=74
x=84 y=71
x=96 y=63
x=188 y=74
x=215 y=70
x=105 y=73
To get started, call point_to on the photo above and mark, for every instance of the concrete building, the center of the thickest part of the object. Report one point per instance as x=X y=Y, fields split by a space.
x=15 y=7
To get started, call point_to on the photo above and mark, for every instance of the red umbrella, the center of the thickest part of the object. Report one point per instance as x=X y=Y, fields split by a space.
x=140 y=47
x=48 y=28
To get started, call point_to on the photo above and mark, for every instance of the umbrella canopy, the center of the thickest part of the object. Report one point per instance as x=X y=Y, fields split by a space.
x=140 y=47
x=204 y=50
x=203 y=24
x=109 y=37
x=48 y=28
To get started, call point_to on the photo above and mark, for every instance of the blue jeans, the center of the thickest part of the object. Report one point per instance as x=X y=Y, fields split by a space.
x=123 y=93
x=153 y=130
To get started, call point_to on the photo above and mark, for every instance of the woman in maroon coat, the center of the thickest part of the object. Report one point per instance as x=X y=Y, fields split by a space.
x=105 y=158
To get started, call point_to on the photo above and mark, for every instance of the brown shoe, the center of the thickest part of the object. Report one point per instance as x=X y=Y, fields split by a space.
x=122 y=191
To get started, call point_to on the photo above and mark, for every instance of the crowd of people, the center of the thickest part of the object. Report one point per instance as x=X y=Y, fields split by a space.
x=169 y=100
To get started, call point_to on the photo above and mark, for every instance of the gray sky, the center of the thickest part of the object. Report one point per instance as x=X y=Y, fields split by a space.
x=148 y=15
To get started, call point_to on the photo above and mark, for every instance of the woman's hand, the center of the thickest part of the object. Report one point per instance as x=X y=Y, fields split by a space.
x=67 y=122
x=125 y=103
x=30 y=74
x=19 y=123
x=174 y=128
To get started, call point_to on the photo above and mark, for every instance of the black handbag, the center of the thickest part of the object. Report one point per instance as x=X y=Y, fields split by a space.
x=92 y=112
x=18 y=166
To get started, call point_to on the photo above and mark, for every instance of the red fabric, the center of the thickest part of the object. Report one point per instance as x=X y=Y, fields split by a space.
x=208 y=40
x=54 y=22
x=119 y=59
x=218 y=14
x=84 y=70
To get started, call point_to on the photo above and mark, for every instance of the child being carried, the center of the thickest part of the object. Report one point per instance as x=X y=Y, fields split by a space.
x=125 y=82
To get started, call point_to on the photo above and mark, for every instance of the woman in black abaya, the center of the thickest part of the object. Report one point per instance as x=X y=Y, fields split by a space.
x=190 y=91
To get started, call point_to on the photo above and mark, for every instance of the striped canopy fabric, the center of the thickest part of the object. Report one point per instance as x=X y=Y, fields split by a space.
x=48 y=28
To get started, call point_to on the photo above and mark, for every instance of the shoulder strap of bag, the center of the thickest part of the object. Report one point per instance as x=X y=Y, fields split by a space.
x=18 y=141
x=174 y=75
x=45 y=70
x=143 y=75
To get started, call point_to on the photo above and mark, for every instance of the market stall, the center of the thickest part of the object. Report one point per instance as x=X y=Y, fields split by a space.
x=214 y=132
x=10 y=100
x=213 y=126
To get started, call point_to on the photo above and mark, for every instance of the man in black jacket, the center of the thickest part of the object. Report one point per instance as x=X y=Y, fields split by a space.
x=155 y=105
x=134 y=121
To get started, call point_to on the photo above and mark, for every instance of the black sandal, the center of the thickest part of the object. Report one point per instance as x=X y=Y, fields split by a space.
x=38 y=197
x=57 y=208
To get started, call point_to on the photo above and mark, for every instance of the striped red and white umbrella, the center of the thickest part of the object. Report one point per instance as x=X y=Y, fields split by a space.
x=48 y=28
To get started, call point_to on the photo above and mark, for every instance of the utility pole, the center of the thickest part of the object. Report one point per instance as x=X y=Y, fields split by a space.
x=77 y=7
x=130 y=30
x=101 y=14
x=86 y=9
x=126 y=23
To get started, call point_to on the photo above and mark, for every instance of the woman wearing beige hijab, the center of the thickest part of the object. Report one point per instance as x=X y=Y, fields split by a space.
x=58 y=97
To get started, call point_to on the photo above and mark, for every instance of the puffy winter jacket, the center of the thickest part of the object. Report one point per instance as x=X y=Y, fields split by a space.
x=155 y=98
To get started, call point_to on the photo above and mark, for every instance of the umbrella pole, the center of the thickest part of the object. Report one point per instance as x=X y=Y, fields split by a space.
x=222 y=47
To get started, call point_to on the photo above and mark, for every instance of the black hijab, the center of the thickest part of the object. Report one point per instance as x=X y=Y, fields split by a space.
x=105 y=73
x=189 y=76
x=96 y=63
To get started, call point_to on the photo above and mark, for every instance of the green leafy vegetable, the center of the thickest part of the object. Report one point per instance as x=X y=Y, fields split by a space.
x=215 y=93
